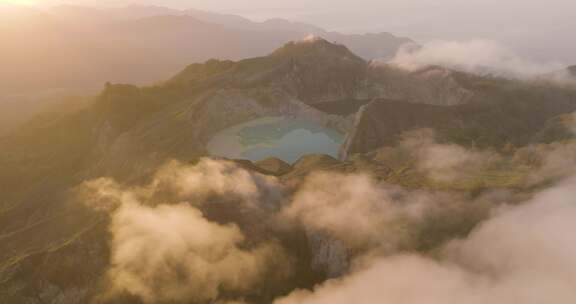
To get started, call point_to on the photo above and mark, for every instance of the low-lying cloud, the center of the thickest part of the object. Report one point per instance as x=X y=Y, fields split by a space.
x=444 y=162
x=549 y=162
x=476 y=56
x=523 y=254
x=371 y=216
x=452 y=164
x=380 y=243
x=173 y=253
x=164 y=248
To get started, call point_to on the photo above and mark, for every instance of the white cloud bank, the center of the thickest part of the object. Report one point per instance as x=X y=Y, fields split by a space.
x=405 y=246
x=477 y=56
x=524 y=254
x=163 y=251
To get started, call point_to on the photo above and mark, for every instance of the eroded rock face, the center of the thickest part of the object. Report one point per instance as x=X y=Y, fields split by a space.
x=501 y=114
x=330 y=256
x=382 y=122
x=429 y=85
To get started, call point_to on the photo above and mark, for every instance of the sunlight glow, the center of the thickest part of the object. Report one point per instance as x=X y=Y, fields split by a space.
x=18 y=2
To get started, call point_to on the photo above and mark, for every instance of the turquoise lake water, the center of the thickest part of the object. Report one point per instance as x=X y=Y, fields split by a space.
x=287 y=139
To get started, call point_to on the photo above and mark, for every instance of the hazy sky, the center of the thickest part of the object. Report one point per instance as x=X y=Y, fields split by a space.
x=540 y=27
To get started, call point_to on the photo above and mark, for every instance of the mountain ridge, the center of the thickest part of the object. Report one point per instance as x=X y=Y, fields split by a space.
x=130 y=29
x=73 y=49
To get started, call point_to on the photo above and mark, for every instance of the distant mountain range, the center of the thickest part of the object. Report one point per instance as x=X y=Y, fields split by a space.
x=74 y=46
x=74 y=49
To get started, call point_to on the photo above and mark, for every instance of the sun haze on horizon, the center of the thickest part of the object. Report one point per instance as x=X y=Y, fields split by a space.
x=18 y=2
x=539 y=29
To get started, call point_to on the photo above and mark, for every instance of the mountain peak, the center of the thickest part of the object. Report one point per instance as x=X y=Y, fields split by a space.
x=315 y=46
x=313 y=38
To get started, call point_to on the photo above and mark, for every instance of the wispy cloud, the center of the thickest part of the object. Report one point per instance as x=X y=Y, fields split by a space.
x=477 y=56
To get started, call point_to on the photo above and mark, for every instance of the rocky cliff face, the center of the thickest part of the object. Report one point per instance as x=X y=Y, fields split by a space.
x=430 y=85
x=329 y=256
x=498 y=115
x=382 y=122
